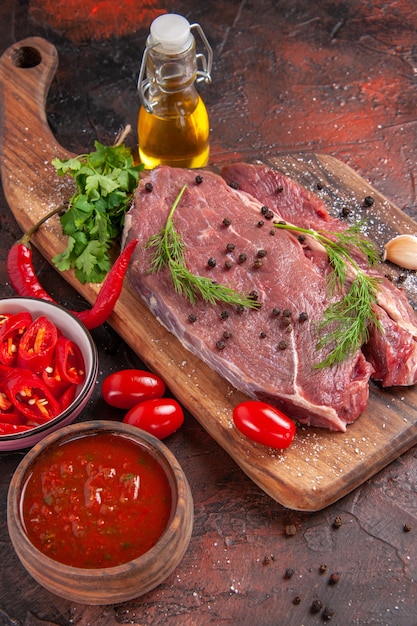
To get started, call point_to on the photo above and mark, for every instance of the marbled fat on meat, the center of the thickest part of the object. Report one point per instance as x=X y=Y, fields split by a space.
x=264 y=356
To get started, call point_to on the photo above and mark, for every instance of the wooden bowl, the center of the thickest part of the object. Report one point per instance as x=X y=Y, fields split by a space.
x=104 y=585
x=70 y=326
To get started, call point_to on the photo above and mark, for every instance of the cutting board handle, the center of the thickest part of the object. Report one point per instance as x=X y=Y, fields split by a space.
x=27 y=145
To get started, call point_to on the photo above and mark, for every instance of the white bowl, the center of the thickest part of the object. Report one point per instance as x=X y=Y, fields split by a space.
x=75 y=330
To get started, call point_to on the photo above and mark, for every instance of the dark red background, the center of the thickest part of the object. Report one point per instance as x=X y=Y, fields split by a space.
x=288 y=76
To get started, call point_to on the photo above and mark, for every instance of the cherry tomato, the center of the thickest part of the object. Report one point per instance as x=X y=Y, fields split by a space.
x=159 y=417
x=264 y=424
x=125 y=388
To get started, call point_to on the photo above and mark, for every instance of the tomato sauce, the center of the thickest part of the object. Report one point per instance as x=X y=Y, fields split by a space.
x=96 y=501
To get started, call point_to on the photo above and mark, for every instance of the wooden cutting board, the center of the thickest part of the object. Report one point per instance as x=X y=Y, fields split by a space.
x=320 y=467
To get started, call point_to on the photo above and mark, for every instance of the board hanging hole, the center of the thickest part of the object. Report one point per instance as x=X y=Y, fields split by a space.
x=26 y=57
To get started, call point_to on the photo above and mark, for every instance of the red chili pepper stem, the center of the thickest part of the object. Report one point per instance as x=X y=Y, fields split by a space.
x=19 y=263
x=25 y=240
x=25 y=282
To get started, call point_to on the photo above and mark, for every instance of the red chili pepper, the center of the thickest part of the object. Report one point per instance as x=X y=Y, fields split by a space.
x=8 y=413
x=110 y=290
x=31 y=396
x=69 y=361
x=21 y=273
x=3 y=318
x=24 y=281
x=53 y=380
x=12 y=429
x=67 y=397
x=11 y=333
x=5 y=403
x=37 y=345
x=4 y=370
x=12 y=417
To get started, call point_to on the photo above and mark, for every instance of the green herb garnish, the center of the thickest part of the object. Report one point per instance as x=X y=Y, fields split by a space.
x=106 y=179
x=349 y=319
x=168 y=251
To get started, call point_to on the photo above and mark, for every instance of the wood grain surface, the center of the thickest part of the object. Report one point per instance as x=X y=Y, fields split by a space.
x=320 y=467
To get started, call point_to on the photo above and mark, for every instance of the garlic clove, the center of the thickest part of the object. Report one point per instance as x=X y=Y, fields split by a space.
x=402 y=250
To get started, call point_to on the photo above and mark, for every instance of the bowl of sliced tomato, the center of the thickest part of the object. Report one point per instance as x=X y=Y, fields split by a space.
x=48 y=369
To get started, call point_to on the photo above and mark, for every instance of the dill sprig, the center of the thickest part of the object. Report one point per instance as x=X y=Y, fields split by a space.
x=169 y=251
x=350 y=318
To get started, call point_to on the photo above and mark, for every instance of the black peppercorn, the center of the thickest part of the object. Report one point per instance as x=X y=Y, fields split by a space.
x=227 y=334
x=316 y=606
x=320 y=185
x=264 y=210
x=287 y=313
x=289 y=573
x=198 y=179
x=228 y=265
x=327 y=614
x=337 y=522
x=192 y=318
x=224 y=315
x=262 y=334
x=261 y=253
x=240 y=309
x=230 y=247
x=242 y=257
x=323 y=568
x=346 y=211
x=301 y=238
x=234 y=185
x=211 y=262
x=303 y=317
x=296 y=600
x=148 y=187
x=269 y=214
x=253 y=295
x=226 y=221
x=220 y=345
x=368 y=201
x=407 y=528
x=283 y=345
x=280 y=188
x=261 y=223
x=275 y=312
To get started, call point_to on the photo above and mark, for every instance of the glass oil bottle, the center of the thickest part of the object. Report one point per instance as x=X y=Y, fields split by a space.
x=173 y=124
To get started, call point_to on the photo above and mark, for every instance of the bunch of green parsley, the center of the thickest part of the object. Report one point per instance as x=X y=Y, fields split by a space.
x=105 y=182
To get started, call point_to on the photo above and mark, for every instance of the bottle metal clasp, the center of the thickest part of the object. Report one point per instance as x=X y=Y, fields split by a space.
x=204 y=75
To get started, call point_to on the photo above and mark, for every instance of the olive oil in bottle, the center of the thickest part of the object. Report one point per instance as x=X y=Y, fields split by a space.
x=173 y=124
